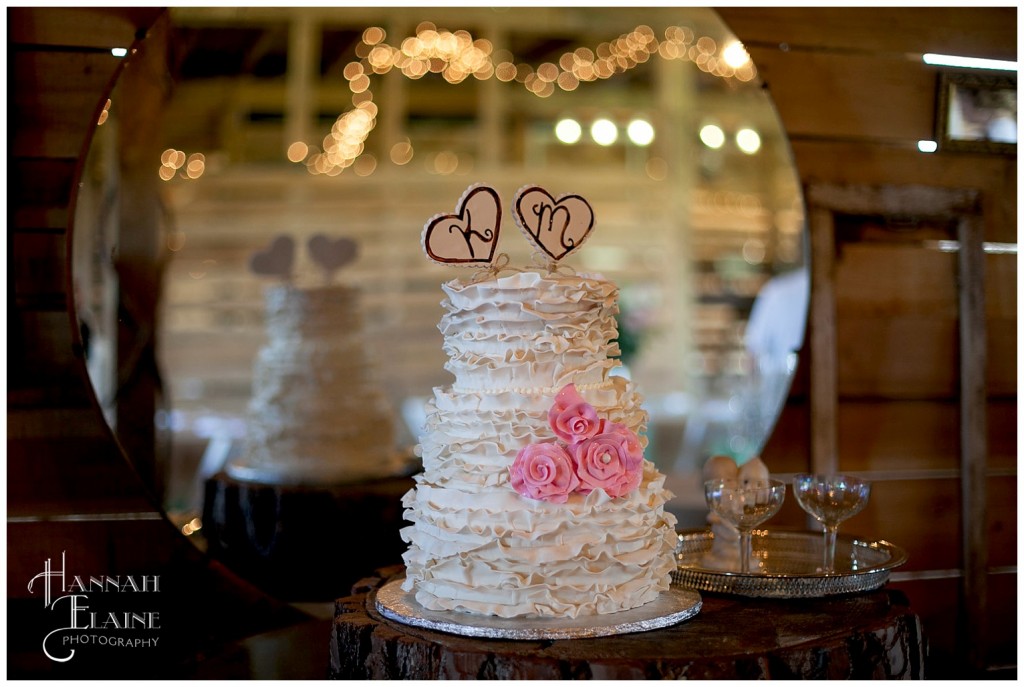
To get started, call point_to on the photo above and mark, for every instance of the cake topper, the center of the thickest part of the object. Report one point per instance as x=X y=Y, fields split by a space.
x=555 y=227
x=468 y=238
x=330 y=255
x=275 y=261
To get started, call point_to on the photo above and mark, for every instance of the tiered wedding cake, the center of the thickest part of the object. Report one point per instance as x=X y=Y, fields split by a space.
x=535 y=498
x=316 y=415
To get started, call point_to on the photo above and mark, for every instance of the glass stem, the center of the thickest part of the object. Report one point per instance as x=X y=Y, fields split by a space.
x=830 y=548
x=745 y=551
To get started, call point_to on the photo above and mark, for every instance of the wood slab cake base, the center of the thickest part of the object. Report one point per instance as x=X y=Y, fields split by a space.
x=866 y=636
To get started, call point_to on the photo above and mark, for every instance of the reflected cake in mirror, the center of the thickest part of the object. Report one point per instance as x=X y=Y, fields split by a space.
x=317 y=414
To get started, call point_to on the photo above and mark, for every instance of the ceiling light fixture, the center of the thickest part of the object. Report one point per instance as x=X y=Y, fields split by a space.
x=640 y=132
x=604 y=132
x=568 y=131
x=938 y=60
x=712 y=136
x=748 y=140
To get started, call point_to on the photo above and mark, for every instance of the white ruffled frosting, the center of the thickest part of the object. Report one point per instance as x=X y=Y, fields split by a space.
x=475 y=544
x=316 y=413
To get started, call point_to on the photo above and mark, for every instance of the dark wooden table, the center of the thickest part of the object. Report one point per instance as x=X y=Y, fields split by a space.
x=304 y=543
x=874 y=635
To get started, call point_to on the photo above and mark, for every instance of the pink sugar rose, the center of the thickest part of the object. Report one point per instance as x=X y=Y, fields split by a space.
x=571 y=418
x=544 y=472
x=611 y=460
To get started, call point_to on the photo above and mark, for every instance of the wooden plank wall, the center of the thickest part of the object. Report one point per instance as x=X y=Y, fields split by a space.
x=854 y=101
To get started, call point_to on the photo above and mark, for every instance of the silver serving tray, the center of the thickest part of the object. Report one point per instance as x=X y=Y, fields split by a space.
x=785 y=565
x=671 y=607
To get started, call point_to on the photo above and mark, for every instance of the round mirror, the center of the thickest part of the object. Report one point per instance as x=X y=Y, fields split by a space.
x=362 y=123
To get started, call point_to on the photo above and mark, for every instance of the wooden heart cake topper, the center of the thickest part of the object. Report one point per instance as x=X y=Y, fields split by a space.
x=555 y=227
x=275 y=261
x=330 y=255
x=470 y=237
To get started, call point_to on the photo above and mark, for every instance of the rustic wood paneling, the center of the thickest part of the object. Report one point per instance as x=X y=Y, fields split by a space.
x=846 y=162
x=935 y=600
x=902 y=435
x=892 y=280
x=66 y=84
x=855 y=98
x=905 y=357
x=956 y=30
x=82 y=27
x=848 y=92
x=41 y=271
x=42 y=182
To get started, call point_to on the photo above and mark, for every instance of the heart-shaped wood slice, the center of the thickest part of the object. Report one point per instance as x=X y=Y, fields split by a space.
x=331 y=255
x=556 y=227
x=469 y=237
x=276 y=260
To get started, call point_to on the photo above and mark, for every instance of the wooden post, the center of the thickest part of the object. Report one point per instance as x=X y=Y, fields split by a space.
x=959 y=207
x=303 y=56
x=973 y=438
x=823 y=379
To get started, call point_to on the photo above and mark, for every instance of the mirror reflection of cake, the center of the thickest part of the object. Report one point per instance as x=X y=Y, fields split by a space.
x=317 y=414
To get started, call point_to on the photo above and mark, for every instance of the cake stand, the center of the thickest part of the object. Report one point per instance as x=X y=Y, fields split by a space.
x=873 y=635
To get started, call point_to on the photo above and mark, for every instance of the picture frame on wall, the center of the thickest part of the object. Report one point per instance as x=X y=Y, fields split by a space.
x=977 y=112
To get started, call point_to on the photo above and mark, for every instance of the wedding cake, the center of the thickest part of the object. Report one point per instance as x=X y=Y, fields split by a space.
x=317 y=415
x=535 y=498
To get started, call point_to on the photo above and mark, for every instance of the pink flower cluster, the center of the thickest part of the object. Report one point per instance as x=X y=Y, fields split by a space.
x=595 y=454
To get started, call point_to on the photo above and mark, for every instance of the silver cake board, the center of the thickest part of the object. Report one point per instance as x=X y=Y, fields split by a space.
x=670 y=608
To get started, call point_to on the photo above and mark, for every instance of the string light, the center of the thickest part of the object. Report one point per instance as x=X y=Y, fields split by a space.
x=457 y=55
x=175 y=163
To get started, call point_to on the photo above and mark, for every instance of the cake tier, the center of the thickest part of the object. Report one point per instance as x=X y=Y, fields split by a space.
x=317 y=413
x=295 y=314
x=311 y=375
x=529 y=332
x=493 y=552
x=471 y=439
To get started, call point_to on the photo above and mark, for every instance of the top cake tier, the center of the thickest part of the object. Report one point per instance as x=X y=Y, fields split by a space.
x=530 y=333
x=311 y=314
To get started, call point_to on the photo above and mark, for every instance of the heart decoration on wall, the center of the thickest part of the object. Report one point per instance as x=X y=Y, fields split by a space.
x=470 y=236
x=555 y=227
x=276 y=260
x=331 y=255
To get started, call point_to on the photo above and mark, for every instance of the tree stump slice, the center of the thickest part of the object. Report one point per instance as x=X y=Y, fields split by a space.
x=874 y=635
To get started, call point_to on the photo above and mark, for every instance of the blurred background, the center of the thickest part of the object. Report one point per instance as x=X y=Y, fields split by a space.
x=364 y=123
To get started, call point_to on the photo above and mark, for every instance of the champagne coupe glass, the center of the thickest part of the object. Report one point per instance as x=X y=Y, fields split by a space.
x=830 y=499
x=745 y=504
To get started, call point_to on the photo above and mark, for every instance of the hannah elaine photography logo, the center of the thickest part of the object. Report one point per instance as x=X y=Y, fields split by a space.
x=90 y=610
